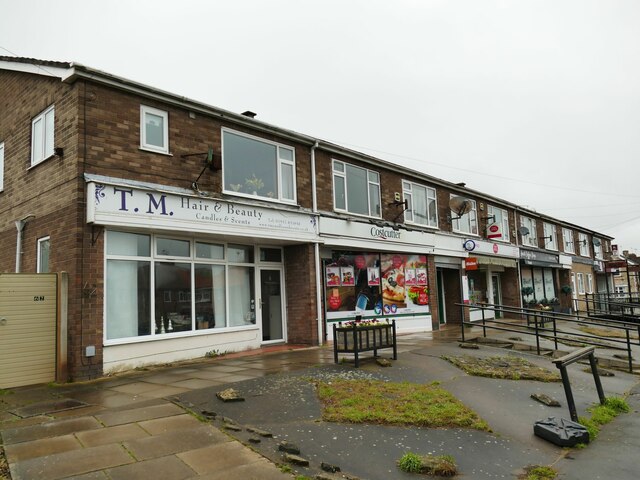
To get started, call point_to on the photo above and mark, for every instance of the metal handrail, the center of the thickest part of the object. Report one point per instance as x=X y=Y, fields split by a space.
x=539 y=329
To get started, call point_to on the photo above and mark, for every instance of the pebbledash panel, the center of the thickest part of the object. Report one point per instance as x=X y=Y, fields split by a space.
x=187 y=275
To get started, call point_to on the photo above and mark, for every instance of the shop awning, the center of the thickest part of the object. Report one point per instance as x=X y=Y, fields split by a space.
x=498 y=261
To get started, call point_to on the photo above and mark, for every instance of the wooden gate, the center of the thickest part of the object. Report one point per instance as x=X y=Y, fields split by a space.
x=32 y=345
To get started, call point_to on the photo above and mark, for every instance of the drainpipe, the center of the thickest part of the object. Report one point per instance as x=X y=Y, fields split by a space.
x=20 y=226
x=316 y=247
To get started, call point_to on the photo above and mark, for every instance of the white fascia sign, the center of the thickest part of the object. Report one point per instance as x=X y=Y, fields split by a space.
x=129 y=206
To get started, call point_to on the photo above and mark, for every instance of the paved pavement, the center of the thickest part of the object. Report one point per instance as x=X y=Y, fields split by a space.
x=160 y=422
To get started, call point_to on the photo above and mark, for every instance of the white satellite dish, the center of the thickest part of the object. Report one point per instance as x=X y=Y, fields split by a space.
x=459 y=205
x=523 y=231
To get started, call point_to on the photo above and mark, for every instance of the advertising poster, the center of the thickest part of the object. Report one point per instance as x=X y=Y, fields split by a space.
x=376 y=285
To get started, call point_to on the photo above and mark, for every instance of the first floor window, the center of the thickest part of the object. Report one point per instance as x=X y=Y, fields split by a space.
x=529 y=233
x=567 y=240
x=205 y=286
x=550 y=242
x=154 y=129
x=42 y=138
x=501 y=219
x=356 y=190
x=421 y=204
x=43 y=254
x=580 y=278
x=468 y=222
x=259 y=168
x=583 y=244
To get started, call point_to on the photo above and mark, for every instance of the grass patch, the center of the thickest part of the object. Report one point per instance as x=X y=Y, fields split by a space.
x=378 y=402
x=511 y=368
x=537 y=472
x=606 y=332
x=603 y=414
x=440 y=465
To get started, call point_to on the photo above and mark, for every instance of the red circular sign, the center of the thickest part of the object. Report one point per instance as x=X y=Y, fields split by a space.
x=495 y=248
x=494 y=228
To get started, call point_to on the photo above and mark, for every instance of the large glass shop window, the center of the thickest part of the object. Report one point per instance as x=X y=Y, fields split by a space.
x=376 y=285
x=163 y=286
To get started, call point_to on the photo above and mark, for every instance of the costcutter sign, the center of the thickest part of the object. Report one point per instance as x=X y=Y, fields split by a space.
x=136 y=207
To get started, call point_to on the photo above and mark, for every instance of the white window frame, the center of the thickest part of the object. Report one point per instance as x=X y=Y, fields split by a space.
x=597 y=250
x=280 y=161
x=1 y=166
x=580 y=280
x=47 y=134
x=370 y=183
x=504 y=221
x=469 y=219
x=532 y=238
x=144 y=145
x=589 y=283
x=549 y=230
x=568 y=241
x=583 y=244
x=39 y=257
x=408 y=192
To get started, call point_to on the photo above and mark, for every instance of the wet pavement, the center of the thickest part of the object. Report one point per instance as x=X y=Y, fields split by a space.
x=139 y=425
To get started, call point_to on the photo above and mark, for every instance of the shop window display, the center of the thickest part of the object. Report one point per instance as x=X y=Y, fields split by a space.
x=376 y=285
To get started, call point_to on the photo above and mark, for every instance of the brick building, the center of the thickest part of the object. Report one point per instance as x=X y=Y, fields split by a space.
x=187 y=229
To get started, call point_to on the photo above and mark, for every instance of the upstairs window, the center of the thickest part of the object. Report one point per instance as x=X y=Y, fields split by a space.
x=501 y=218
x=550 y=241
x=42 y=139
x=421 y=204
x=530 y=238
x=356 y=190
x=467 y=223
x=1 y=166
x=567 y=240
x=258 y=168
x=583 y=244
x=597 y=248
x=154 y=129
x=44 y=245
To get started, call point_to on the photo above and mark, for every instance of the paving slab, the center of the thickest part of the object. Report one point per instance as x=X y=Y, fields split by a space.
x=39 y=448
x=218 y=457
x=169 y=467
x=260 y=470
x=49 y=429
x=75 y=462
x=112 y=418
x=175 y=442
x=159 y=426
x=107 y=435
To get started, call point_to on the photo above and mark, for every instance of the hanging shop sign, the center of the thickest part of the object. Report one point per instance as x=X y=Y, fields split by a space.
x=494 y=232
x=137 y=207
x=376 y=285
x=470 y=263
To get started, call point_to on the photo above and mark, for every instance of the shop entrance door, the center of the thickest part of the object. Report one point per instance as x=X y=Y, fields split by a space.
x=271 y=305
x=497 y=294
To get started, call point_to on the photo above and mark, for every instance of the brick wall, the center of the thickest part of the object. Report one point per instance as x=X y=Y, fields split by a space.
x=302 y=326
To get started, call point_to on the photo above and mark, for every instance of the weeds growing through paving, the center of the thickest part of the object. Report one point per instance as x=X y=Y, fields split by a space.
x=537 y=472
x=603 y=414
x=375 y=401
x=440 y=465
x=510 y=367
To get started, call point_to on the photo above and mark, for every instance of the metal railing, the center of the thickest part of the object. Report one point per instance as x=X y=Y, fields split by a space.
x=620 y=306
x=544 y=324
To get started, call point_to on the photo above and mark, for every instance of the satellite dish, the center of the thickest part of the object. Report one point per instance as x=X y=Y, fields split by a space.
x=523 y=230
x=459 y=205
x=596 y=242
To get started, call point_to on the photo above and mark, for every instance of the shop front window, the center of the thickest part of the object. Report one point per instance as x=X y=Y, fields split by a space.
x=177 y=286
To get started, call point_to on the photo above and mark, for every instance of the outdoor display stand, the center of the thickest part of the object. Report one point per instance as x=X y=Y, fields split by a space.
x=358 y=336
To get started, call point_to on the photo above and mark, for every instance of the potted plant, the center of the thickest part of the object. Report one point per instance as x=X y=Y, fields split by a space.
x=254 y=184
x=566 y=289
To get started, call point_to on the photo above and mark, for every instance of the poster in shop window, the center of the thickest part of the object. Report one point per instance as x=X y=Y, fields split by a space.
x=376 y=285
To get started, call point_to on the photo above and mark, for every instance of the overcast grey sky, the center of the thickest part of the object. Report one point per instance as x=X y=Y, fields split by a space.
x=533 y=101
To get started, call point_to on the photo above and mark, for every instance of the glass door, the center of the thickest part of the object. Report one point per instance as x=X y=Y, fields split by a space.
x=271 y=305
